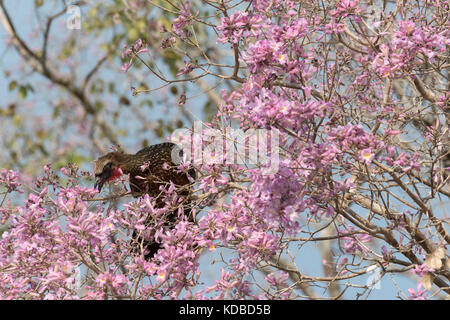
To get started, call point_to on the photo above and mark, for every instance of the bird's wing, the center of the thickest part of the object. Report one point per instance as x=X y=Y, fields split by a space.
x=155 y=148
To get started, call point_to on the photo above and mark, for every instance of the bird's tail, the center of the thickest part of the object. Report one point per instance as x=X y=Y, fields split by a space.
x=150 y=246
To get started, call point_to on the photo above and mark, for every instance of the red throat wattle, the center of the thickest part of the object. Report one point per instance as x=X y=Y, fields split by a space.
x=116 y=174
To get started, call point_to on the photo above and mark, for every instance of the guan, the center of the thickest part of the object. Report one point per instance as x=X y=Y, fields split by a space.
x=148 y=169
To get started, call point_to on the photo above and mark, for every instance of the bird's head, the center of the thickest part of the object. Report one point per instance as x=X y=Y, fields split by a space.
x=107 y=168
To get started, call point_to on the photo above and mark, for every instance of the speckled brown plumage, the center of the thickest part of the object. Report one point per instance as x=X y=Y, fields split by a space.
x=149 y=168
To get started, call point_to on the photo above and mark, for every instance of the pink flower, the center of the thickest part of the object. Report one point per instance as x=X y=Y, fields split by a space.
x=10 y=180
x=188 y=67
x=367 y=155
x=137 y=48
x=417 y=295
x=421 y=270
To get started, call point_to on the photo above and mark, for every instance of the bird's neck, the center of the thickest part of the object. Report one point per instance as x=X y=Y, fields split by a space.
x=116 y=173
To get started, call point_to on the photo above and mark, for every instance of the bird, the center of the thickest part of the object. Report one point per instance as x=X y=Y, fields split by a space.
x=149 y=169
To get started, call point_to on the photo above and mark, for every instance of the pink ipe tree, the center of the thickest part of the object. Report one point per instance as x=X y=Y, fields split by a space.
x=360 y=102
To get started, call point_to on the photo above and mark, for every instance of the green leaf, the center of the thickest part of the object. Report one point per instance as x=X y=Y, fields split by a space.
x=133 y=34
x=23 y=92
x=141 y=25
x=111 y=87
x=98 y=105
x=56 y=112
x=124 y=100
x=17 y=120
x=29 y=87
x=174 y=90
x=12 y=85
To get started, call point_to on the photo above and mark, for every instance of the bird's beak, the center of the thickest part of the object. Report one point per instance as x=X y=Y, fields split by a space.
x=99 y=182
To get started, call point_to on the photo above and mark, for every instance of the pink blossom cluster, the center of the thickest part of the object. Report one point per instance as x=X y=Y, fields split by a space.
x=184 y=18
x=130 y=52
x=409 y=44
x=10 y=180
x=239 y=26
x=55 y=237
